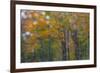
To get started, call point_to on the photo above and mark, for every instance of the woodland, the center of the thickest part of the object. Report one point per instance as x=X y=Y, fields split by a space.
x=54 y=36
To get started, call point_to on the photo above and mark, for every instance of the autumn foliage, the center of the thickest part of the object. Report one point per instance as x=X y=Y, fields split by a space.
x=54 y=36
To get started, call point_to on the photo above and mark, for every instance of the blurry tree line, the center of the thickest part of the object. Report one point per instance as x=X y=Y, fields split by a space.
x=54 y=36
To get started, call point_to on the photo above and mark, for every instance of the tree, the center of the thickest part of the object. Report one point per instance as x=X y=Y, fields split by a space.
x=51 y=36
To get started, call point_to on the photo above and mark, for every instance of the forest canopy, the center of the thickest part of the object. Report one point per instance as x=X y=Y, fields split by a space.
x=54 y=36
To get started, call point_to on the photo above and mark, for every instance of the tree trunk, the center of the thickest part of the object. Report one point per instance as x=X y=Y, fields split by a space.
x=76 y=44
x=65 y=45
x=49 y=50
x=42 y=50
